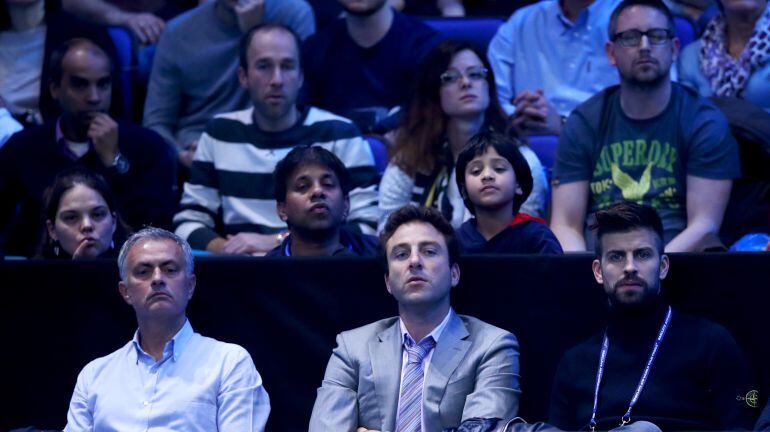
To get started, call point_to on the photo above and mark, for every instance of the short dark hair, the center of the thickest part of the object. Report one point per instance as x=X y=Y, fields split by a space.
x=428 y=215
x=308 y=155
x=243 y=47
x=505 y=147
x=626 y=216
x=625 y=4
x=56 y=60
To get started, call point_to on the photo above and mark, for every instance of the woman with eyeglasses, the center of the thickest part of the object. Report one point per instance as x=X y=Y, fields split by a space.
x=453 y=98
x=732 y=57
x=80 y=218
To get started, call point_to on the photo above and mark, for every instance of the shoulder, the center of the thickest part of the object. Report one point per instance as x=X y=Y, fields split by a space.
x=227 y=126
x=29 y=136
x=362 y=334
x=530 y=12
x=416 y=27
x=188 y=20
x=229 y=355
x=324 y=39
x=596 y=104
x=698 y=112
x=329 y=126
x=706 y=330
x=485 y=333
x=96 y=367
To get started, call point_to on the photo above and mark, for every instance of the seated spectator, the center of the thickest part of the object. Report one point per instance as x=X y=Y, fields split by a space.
x=732 y=57
x=648 y=140
x=365 y=60
x=167 y=376
x=693 y=374
x=194 y=69
x=548 y=58
x=454 y=99
x=494 y=180
x=80 y=217
x=228 y=204
x=29 y=32
x=144 y=18
x=311 y=191
x=135 y=161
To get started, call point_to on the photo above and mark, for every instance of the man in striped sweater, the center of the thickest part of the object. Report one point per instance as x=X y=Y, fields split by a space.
x=228 y=205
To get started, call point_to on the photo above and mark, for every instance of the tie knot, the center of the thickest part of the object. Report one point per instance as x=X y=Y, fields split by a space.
x=416 y=352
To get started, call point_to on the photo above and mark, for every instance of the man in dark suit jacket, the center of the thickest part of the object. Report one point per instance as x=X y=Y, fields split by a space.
x=429 y=368
x=135 y=161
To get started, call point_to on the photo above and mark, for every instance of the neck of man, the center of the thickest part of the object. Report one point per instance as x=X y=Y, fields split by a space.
x=641 y=102
x=366 y=31
x=322 y=244
x=460 y=130
x=27 y=16
x=572 y=8
x=278 y=124
x=154 y=334
x=639 y=321
x=72 y=129
x=740 y=27
x=491 y=222
x=421 y=320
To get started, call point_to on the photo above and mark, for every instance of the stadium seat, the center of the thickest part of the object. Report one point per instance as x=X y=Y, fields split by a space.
x=685 y=30
x=380 y=152
x=544 y=147
x=124 y=47
x=478 y=31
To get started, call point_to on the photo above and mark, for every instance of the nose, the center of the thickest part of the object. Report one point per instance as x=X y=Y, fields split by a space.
x=86 y=224
x=487 y=174
x=630 y=267
x=276 y=78
x=157 y=277
x=465 y=82
x=415 y=260
x=94 y=96
x=317 y=190
x=644 y=43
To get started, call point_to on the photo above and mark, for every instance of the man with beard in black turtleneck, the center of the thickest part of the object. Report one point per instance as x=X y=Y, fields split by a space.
x=652 y=362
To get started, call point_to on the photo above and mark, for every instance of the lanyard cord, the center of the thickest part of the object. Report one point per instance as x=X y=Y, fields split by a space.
x=642 y=381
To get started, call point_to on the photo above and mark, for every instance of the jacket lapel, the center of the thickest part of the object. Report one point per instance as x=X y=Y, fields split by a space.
x=385 y=355
x=449 y=352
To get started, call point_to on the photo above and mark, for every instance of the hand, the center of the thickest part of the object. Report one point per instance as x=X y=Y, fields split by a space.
x=535 y=114
x=86 y=249
x=451 y=8
x=363 y=429
x=249 y=13
x=249 y=243
x=188 y=153
x=146 y=26
x=103 y=132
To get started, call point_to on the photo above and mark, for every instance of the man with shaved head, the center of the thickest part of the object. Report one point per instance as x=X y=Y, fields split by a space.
x=135 y=161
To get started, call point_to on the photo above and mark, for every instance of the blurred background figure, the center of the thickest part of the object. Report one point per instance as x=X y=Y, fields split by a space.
x=454 y=98
x=80 y=218
x=732 y=57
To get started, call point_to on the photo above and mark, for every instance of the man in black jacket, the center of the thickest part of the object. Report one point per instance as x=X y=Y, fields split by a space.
x=135 y=161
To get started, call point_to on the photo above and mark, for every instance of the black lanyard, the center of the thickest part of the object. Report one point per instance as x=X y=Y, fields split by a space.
x=642 y=381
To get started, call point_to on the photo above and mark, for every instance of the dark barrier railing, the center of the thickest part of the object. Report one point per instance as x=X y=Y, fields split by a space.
x=57 y=316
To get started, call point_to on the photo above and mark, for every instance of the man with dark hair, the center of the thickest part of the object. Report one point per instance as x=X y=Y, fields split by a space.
x=228 y=205
x=429 y=368
x=167 y=377
x=693 y=375
x=365 y=60
x=311 y=192
x=647 y=140
x=135 y=161
x=194 y=68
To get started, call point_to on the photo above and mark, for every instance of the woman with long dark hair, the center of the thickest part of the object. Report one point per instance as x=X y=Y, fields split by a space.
x=454 y=97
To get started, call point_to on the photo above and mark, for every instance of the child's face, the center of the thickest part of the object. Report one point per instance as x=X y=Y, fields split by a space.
x=490 y=181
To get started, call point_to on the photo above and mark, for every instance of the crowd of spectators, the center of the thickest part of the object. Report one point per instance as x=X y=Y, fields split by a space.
x=257 y=129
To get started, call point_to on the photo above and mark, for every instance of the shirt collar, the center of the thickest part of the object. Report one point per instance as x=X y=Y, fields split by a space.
x=436 y=333
x=175 y=347
x=61 y=141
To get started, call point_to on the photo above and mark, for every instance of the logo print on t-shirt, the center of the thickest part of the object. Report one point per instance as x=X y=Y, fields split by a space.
x=631 y=189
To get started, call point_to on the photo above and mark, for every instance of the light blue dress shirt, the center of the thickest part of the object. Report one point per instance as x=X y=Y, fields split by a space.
x=538 y=47
x=200 y=384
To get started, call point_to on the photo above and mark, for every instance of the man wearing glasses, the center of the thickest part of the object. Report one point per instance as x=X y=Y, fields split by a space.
x=647 y=140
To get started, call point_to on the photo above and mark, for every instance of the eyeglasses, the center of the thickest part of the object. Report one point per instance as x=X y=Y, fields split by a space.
x=632 y=38
x=475 y=73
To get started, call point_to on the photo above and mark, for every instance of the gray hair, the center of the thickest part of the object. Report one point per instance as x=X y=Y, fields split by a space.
x=152 y=233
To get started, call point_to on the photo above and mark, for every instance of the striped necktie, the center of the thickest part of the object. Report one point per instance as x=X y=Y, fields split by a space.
x=410 y=406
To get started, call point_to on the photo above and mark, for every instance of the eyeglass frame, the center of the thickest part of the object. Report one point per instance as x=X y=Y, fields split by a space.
x=668 y=32
x=446 y=77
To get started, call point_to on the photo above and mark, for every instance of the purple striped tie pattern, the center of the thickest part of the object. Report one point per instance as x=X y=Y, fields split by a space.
x=410 y=406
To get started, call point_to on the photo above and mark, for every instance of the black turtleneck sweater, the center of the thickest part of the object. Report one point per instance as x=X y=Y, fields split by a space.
x=696 y=381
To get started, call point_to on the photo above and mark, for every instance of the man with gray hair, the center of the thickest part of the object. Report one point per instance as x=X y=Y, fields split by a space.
x=168 y=376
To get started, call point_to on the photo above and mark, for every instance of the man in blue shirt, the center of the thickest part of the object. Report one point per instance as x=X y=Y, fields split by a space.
x=168 y=376
x=548 y=58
